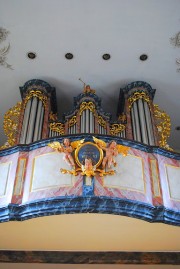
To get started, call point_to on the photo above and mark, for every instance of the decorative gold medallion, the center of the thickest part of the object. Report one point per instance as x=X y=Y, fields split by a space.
x=89 y=156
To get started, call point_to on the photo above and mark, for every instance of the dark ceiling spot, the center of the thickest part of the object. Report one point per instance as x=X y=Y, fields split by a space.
x=69 y=56
x=143 y=57
x=31 y=55
x=106 y=56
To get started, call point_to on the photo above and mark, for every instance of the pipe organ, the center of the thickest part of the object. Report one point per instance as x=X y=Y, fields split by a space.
x=84 y=161
x=137 y=118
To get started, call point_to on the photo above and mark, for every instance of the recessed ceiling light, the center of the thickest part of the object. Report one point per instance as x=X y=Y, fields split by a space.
x=143 y=57
x=69 y=56
x=106 y=56
x=177 y=128
x=31 y=55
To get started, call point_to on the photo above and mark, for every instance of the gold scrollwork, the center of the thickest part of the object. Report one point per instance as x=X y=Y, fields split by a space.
x=87 y=105
x=57 y=127
x=116 y=128
x=136 y=96
x=102 y=122
x=163 y=126
x=52 y=116
x=72 y=121
x=11 y=121
x=36 y=93
x=122 y=118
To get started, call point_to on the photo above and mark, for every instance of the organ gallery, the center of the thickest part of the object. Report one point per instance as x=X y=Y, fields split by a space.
x=85 y=161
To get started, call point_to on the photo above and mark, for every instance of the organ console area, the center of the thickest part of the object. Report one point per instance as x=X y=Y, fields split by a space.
x=36 y=180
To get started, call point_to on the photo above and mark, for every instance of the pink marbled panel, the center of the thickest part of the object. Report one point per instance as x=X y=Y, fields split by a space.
x=51 y=192
x=101 y=190
x=75 y=190
x=13 y=159
x=167 y=200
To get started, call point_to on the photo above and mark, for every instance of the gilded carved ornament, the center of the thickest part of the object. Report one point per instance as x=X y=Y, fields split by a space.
x=136 y=96
x=102 y=122
x=122 y=118
x=35 y=93
x=57 y=127
x=52 y=116
x=89 y=156
x=116 y=128
x=163 y=123
x=87 y=105
x=72 y=121
x=11 y=121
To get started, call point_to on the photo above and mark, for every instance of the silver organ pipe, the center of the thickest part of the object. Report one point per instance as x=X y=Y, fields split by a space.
x=133 y=123
x=41 y=123
x=149 y=124
x=50 y=132
x=137 y=122
x=84 y=121
x=32 y=119
x=143 y=128
x=25 y=122
x=37 y=124
x=123 y=134
x=99 y=128
x=74 y=128
x=81 y=123
x=103 y=130
x=91 y=122
x=87 y=121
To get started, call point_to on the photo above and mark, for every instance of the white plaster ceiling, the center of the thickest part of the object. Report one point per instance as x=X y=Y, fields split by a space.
x=88 y=29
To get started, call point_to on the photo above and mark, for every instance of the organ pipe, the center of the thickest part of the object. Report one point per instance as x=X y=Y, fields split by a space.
x=41 y=123
x=149 y=124
x=25 y=122
x=135 y=114
x=142 y=122
x=133 y=123
x=32 y=119
x=137 y=124
x=37 y=123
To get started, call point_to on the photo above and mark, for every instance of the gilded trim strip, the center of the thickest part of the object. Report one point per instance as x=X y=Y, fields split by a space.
x=155 y=178
x=20 y=176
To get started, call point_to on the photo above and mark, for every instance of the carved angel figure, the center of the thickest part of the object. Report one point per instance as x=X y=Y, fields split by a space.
x=88 y=169
x=112 y=150
x=67 y=148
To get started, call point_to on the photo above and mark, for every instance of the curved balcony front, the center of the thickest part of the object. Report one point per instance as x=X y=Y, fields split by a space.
x=143 y=184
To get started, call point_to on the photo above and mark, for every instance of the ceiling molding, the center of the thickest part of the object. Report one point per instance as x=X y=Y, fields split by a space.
x=176 y=40
x=4 y=50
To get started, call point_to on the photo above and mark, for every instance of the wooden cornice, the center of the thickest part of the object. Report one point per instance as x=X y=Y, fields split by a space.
x=77 y=257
